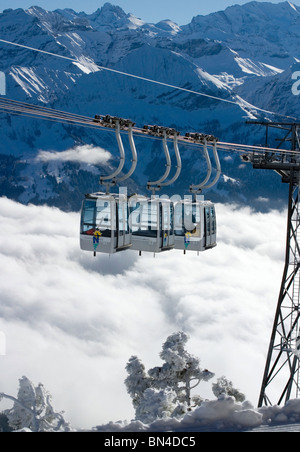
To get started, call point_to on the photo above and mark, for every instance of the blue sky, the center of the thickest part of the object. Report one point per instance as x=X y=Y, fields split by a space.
x=179 y=11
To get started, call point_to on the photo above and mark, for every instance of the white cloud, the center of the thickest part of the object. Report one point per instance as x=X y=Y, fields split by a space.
x=262 y=199
x=72 y=321
x=80 y=154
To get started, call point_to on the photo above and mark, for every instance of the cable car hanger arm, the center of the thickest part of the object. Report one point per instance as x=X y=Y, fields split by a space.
x=198 y=188
x=110 y=178
x=151 y=185
x=179 y=163
x=134 y=157
x=219 y=170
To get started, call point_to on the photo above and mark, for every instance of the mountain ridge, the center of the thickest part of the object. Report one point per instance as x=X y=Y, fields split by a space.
x=251 y=65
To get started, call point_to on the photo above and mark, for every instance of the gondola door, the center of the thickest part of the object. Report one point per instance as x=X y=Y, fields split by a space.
x=167 y=227
x=213 y=226
x=207 y=219
x=123 y=236
x=210 y=226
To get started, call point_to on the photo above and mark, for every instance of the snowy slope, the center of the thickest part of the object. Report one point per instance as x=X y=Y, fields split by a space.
x=243 y=54
x=264 y=32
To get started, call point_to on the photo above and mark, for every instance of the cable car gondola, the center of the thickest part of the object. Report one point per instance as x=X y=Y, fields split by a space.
x=195 y=225
x=151 y=224
x=104 y=223
x=104 y=216
x=195 y=219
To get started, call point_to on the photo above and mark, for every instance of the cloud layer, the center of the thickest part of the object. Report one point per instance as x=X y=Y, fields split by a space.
x=72 y=321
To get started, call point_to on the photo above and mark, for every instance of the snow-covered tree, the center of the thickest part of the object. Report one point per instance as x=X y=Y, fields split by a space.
x=224 y=386
x=156 y=404
x=181 y=370
x=166 y=389
x=32 y=409
x=137 y=381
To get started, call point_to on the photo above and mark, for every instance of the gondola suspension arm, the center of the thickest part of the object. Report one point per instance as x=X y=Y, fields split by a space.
x=198 y=188
x=179 y=163
x=219 y=170
x=155 y=185
x=134 y=157
x=110 y=179
x=204 y=185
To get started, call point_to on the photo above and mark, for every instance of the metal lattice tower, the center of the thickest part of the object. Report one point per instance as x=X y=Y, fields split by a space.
x=281 y=380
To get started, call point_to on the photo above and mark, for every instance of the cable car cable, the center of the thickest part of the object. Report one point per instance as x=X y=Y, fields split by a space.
x=104 y=68
x=29 y=110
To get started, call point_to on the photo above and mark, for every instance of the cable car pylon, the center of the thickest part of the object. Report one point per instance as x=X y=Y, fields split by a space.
x=281 y=379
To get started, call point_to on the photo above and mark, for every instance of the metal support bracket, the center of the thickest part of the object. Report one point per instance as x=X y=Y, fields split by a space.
x=179 y=164
x=113 y=179
x=196 y=189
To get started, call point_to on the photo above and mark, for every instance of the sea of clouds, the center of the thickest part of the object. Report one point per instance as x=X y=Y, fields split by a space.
x=71 y=321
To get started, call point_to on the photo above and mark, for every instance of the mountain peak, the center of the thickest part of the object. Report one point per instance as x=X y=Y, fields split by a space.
x=113 y=17
x=168 y=25
x=108 y=14
x=113 y=8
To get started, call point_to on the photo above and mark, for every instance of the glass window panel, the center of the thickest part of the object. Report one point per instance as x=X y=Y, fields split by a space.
x=207 y=216
x=88 y=216
x=213 y=220
x=187 y=219
x=144 y=218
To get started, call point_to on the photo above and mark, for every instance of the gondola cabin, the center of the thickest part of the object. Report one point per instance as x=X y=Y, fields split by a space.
x=151 y=224
x=104 y=224
x=195 y=225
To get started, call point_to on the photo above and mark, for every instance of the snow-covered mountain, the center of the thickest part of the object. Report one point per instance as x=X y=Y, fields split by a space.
x=244 y=54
